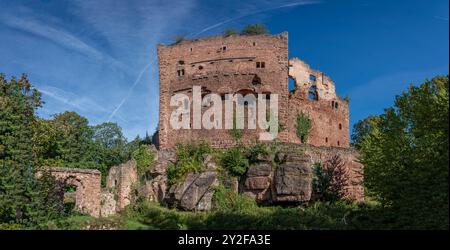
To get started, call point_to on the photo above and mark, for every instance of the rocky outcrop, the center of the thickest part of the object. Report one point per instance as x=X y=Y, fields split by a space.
x=195 y=192
x=258 y=182
x=156 y=185
x=293 y=179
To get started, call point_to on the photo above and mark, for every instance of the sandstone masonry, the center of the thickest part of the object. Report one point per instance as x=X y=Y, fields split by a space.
x=250 y=64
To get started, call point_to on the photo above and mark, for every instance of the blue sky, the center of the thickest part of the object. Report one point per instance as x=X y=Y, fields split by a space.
x=98 y=58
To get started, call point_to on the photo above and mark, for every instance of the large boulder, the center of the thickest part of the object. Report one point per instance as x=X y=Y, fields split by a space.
x=195 y=192
x=293 y=179
x=258 y=182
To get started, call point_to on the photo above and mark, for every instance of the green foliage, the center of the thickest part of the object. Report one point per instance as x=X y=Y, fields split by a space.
x=254 y=29
x=190 y=159
x=144 y=159
x=258 y=152
x=329 y=180
x=235 y=132
x=67 y=140
x=230 y=32
x=234 y=212
x=362 y=129
x=405 y=154
x=303 y=126
x=24 y=199
x=234 y=161
x=225 y=199
x=110 y=144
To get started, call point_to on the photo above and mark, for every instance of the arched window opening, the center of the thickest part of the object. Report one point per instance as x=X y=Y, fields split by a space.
x=340 y=126
x=335 y=105
x=292 y=86
x=312 y=94
x=338 y=143
x=256 y=80
x=326 y=139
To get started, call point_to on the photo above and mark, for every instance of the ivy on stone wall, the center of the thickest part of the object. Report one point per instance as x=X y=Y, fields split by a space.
x=303 y=126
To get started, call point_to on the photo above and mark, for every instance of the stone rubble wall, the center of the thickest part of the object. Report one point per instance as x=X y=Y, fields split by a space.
x=87 y=182
x=289 y=181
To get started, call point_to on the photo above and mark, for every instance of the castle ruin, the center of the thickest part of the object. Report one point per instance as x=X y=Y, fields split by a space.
x=256 y=64
x=237 y=64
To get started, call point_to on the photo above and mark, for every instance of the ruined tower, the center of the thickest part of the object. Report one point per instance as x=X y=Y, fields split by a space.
x=250 y=64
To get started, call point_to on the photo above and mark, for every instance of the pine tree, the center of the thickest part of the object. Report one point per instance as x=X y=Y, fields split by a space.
x=21 y=193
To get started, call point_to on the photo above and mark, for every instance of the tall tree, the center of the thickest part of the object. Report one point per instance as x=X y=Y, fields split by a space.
x=22 y=195
x=405 y=153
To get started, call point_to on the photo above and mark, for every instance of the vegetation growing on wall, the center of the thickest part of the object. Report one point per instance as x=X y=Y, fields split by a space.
x=235 y=132
x=303 y=127
x=144 y=158
x=189 y=160
x=234 y=161
x=254 y=29
x=230 y=32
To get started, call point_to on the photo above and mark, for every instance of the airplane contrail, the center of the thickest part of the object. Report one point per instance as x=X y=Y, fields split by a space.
x=204 y=30
x=130 y=90
x=251 y=14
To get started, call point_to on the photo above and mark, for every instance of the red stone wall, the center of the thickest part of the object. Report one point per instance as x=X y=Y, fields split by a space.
x=226 y=65
x=223 y=71
x=87 y=182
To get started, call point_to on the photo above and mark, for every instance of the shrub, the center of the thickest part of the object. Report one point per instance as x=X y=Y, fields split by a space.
x=256 y=152
x=303 y=126
x=329 y=180
x=144 y=158
x=235 y=132
x=190 y=159
x=254 y=29
x=225 y=199
x=234 y=161
x=230 y=32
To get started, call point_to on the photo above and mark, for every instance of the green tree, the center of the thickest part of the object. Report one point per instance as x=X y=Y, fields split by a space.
x=405 y=154
x=363 y=128
x=254 y=29
x=24 y=199
x=110 y=144
x=144 y=158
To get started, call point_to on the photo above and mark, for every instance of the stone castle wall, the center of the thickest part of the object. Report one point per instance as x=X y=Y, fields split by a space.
x=249 y=64
x=87 y=182
x=221 y=65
